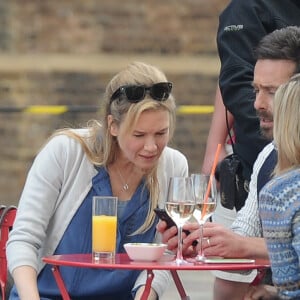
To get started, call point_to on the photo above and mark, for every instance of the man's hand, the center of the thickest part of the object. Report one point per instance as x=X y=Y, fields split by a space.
x=224 y=242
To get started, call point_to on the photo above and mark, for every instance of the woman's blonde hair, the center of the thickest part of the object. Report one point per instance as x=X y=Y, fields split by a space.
x=101 y=147
x=286 y=125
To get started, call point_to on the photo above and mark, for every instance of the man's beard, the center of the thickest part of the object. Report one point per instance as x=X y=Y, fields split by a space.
x=266 y=132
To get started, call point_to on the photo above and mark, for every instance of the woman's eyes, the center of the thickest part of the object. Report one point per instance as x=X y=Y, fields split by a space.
x=142 y=134
x=161 y=133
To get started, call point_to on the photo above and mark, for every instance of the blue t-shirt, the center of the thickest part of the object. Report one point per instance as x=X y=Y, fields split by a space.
x=104 y=284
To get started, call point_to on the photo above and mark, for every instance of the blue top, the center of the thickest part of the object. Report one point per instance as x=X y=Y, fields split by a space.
x=279 y=206
x=89 y=284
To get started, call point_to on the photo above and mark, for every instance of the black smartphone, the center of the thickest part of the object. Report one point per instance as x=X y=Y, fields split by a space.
x=163 y=215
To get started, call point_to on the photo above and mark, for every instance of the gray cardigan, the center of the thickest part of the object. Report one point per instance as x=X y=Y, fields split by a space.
x=57 y=183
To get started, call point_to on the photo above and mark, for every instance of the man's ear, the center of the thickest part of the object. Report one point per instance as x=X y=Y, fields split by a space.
x=112 y=126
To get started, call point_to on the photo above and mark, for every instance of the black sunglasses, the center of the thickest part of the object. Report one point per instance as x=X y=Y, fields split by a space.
x=135 y=93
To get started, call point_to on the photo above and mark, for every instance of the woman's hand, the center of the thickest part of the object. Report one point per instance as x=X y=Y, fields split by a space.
x=139 y=293
x=169 y=237
x=25 y=278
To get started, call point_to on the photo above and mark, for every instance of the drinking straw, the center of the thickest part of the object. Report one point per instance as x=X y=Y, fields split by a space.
x=212 y=174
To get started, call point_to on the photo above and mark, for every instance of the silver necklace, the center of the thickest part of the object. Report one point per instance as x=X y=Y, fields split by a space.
x=125 y=184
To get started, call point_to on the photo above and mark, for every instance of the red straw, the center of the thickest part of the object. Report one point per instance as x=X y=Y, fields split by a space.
x=212 y=174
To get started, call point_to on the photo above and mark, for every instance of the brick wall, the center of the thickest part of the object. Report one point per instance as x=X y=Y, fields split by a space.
x=65 y=52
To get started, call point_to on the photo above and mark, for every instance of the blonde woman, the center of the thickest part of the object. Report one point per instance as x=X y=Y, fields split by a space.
x=279 y=200
x=126 y=155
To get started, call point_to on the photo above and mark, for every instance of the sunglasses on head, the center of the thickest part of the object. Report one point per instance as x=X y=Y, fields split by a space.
x=135 y=93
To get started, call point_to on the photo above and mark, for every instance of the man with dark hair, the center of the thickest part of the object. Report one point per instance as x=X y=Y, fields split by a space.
x=241 y=26
x=278 y=58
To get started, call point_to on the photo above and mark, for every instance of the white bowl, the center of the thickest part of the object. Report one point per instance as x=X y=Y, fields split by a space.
x=145 y=251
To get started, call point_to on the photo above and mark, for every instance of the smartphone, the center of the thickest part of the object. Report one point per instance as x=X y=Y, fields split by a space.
x=163 y=215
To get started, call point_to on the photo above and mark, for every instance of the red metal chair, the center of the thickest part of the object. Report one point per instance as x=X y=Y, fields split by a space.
x=7 y=218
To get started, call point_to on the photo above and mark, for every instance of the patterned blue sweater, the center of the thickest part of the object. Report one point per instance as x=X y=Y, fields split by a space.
x=279 y=205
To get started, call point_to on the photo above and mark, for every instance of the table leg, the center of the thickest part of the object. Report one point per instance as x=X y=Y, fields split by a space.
x=179 y=285
x=60 y=283
x=146 y=292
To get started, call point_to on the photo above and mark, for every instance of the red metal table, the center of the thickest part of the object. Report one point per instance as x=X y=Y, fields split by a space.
x=122 y=261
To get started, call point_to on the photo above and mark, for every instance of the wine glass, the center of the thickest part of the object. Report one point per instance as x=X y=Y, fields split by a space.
x=180 y=206
x=206 y=195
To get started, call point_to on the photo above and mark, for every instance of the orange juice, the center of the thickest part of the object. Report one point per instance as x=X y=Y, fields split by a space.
x=104 y=233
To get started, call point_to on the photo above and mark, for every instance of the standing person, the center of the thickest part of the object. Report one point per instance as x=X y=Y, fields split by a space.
x=278 y=58
x=279 y=199
x=242 y=25
x=124 y=156
x=218 y=134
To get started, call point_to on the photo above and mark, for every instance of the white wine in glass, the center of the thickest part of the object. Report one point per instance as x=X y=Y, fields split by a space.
x=180 y=206
x=205 y=211
x=206 y=201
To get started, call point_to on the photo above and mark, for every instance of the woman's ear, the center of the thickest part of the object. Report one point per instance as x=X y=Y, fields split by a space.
x=112 y=126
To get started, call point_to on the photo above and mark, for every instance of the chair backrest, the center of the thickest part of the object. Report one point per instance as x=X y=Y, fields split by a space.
x=7 y=218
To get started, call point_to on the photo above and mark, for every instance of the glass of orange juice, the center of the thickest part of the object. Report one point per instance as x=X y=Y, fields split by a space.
x=104 y=227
